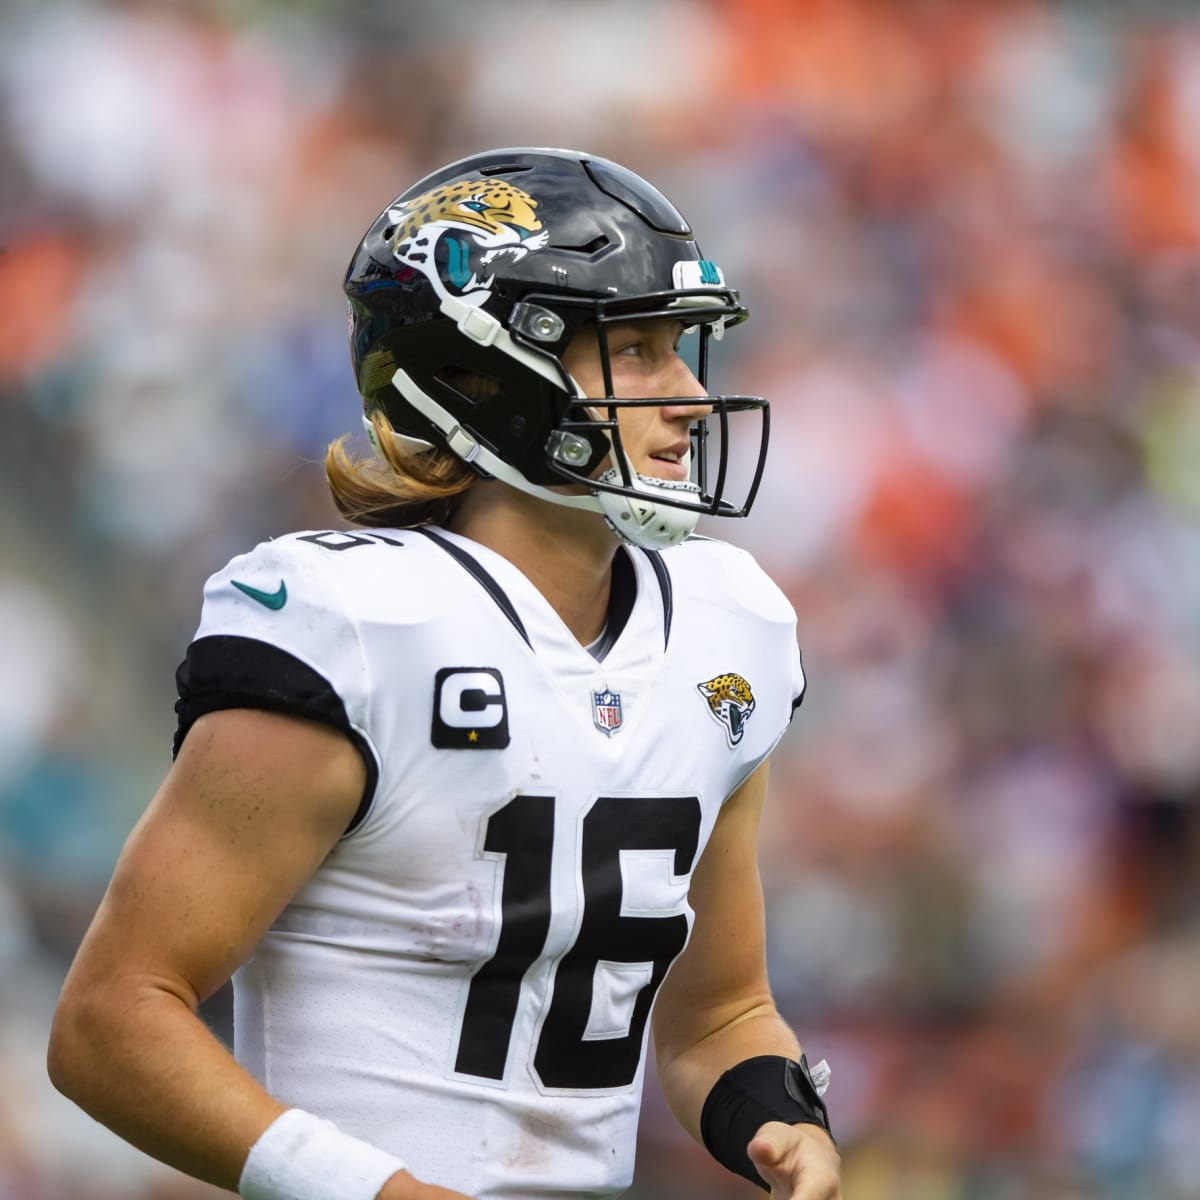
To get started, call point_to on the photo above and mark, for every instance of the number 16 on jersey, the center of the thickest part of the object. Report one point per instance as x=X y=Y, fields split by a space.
x=636 y=855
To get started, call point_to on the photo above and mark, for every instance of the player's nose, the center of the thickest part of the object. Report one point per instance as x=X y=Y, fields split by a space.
x=681 y=384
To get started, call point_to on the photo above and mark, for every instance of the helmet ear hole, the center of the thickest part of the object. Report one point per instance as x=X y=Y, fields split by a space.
x=473 y=386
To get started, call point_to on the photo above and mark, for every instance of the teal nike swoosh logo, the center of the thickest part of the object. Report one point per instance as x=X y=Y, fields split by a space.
x=275 y=600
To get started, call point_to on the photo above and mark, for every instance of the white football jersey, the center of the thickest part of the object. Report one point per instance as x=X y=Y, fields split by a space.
x=466 y=979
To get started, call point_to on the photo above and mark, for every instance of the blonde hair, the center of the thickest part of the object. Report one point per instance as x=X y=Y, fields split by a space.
x=397 y=488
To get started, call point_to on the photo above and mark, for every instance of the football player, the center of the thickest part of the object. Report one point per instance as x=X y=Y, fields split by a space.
x=466 y=795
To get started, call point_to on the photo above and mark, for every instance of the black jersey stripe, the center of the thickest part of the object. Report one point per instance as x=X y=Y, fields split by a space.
x=488 y=584
x=226 y=671
x=798 y=700
x=622 y=594
x=668 y=593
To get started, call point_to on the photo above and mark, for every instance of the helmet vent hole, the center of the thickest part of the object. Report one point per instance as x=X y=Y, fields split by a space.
x=387 y=233
x=507 y=169
x=598 y=243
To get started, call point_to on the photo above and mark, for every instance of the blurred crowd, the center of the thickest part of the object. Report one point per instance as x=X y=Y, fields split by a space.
x=969 y=237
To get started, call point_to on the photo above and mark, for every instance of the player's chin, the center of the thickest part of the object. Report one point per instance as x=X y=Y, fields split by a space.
x=664 y=469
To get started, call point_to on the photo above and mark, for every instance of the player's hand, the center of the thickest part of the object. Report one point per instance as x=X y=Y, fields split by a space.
x=402 y=1186
x=800 y=1162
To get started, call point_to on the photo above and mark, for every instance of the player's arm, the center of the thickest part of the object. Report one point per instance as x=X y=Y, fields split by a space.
x=252 y=805
x=715 y=1009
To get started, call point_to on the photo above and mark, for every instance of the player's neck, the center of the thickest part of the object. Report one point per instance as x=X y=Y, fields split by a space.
x=565 y=553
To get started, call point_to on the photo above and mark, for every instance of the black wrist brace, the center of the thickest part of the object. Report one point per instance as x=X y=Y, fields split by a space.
x=767 y=1088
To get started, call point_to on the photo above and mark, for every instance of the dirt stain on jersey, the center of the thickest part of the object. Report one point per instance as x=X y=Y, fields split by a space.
x=530 y=1151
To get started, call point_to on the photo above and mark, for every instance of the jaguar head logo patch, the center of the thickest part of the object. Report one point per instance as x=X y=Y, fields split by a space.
x=731 y=703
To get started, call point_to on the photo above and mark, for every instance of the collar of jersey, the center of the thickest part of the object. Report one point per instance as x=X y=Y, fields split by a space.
x=647 y=624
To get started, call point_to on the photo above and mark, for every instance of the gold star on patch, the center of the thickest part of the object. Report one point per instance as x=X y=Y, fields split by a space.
x=473 y=736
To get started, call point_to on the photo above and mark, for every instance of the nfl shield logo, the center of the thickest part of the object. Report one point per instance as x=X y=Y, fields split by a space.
x=606 y=711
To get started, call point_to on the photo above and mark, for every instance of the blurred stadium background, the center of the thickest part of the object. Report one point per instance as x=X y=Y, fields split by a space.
x=969 y=234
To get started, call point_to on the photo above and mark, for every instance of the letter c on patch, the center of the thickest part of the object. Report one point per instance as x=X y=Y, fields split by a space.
x=470 y=711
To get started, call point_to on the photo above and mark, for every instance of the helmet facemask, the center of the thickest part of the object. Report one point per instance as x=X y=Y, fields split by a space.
x=642 y=509
x=646 y=509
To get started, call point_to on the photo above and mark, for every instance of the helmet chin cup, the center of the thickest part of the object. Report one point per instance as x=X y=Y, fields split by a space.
x=637 y=519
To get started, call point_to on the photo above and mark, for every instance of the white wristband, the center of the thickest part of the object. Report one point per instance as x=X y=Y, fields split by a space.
x=302 y=1157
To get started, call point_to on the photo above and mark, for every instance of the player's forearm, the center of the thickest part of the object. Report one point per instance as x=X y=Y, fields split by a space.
x=139 y=1060
x=687 y=1069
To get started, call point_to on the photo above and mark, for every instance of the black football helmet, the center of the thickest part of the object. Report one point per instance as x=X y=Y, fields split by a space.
x=484 y=271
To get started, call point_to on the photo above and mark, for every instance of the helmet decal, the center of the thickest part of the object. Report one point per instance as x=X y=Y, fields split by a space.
x=455 y=232
x=697 y=273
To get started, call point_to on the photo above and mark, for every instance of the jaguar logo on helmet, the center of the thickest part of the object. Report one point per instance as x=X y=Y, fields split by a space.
x=731 y=703
x=455 y=232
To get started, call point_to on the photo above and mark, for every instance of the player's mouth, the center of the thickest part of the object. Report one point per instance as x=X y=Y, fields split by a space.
x=672 y=462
